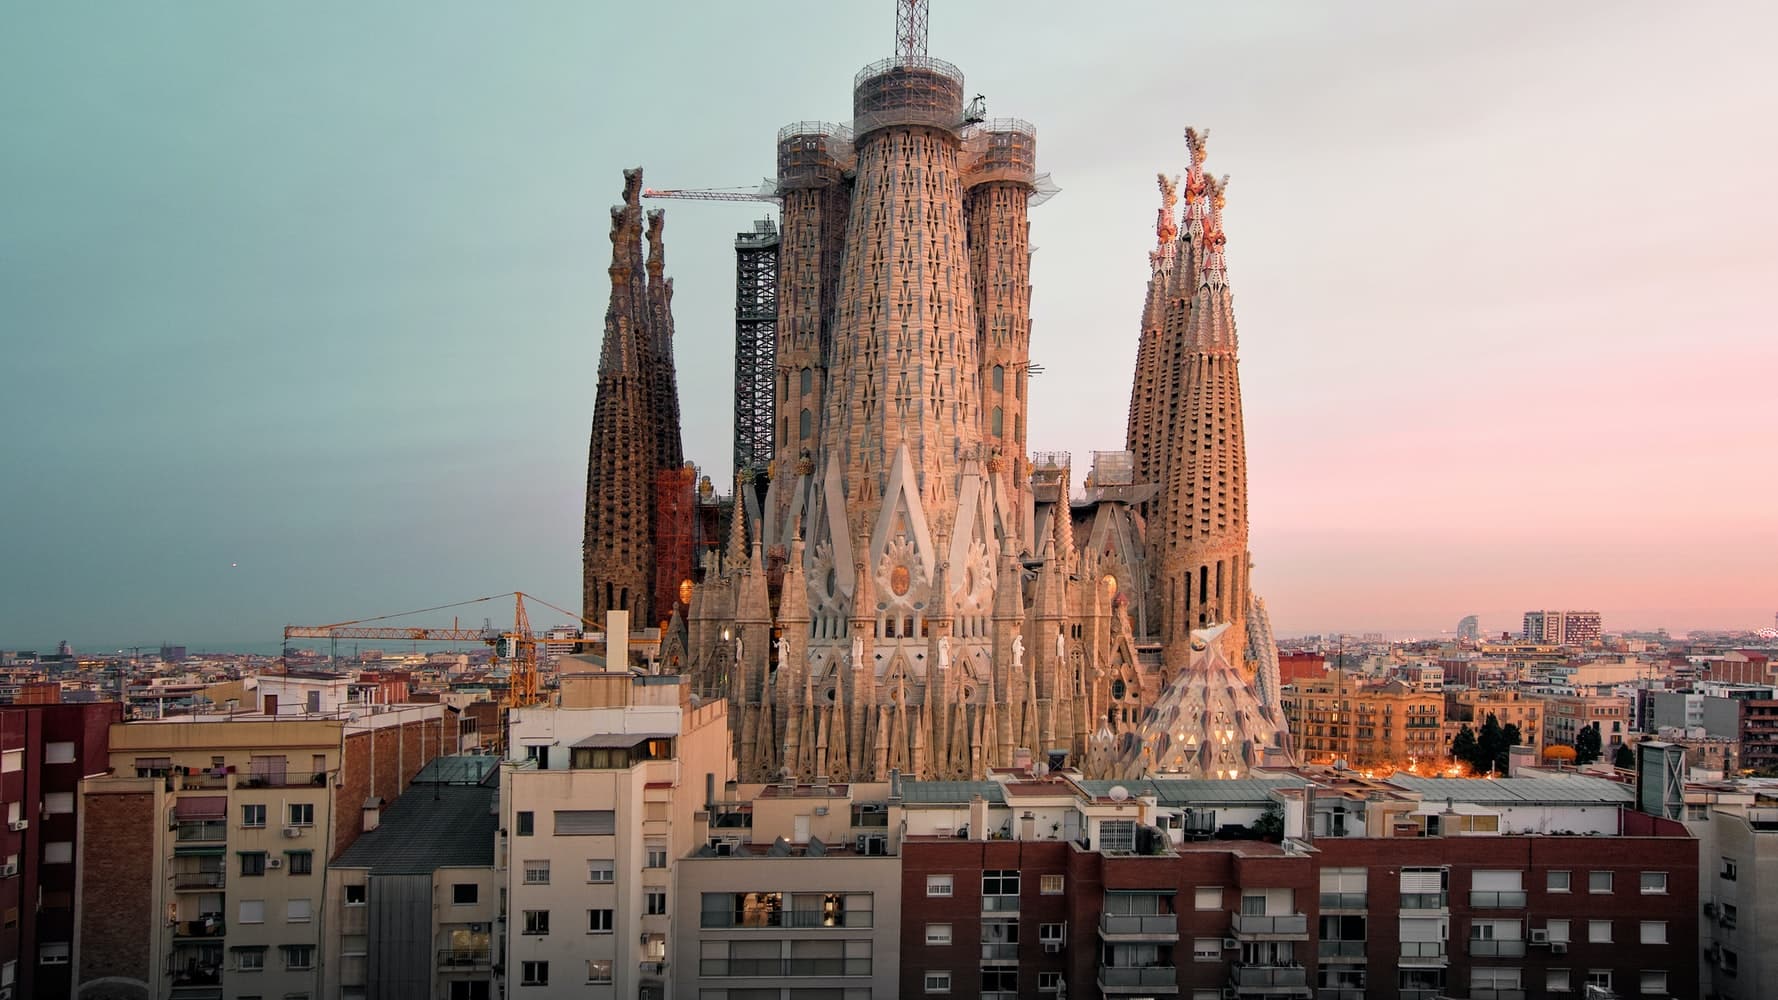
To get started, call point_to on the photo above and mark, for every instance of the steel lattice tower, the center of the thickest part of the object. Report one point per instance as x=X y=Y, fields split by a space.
x=756 y=338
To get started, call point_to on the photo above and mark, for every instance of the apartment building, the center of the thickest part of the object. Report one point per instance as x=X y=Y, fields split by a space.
x=1342 y=716
x=45 y=751
x=1502 y=889
x=1471 y=707
x=797 y=887
x=598 y=798
x=203 y=853
x=1740 y=877
x=413 y=905
x=1564 y=715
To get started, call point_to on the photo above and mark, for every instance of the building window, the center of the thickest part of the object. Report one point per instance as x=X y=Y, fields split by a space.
x=299 y=862
x=297 y=911
x=1598 y=882
x=53 y=953
x=252 y=863
x=1654 y=883
x=250 y=960
x=598 y=970
x=1558 y=981
x=1117 y=836
x=1731 y=962
x=1557 y=881
x=1599 y=931
x=1000 y=882
x=58 y=753
x=1051 y=885
x=938 y=934
x=1207 y=949
x=1207 y=897
x=1728 y=870
x=655 y=856
x=1558 y=929
x=252 y=911
x=526 y=822
x=253 y=815
x=536 y=922
x=1654 y=932
x=298 y=956
x=654 y=903
x=938 y=982
x=465 y=893
x=1654 y=981
x=601 y=870
x=58 y=803
x=537 y=873
x=1049 y=934
x=58 y=852
x=1000 y=979
x=598 y=921
x=302 y=814
x=355 y=894
x=1600 y=978
x=940 y=885
x=533 y=973
x=1049 y=982
x=1729 y=916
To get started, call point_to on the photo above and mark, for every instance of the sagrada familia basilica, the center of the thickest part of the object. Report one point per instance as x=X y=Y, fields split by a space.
x=907 y=586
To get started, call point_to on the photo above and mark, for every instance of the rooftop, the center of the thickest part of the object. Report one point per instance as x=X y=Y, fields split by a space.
x=428 y=828
x=1565 y=789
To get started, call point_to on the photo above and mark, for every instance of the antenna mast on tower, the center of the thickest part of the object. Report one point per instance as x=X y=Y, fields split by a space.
x=910 y=28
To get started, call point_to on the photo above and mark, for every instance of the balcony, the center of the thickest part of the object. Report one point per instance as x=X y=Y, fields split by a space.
x=784 y=967
x=1000 y=904
x=786 y=918
x=652 y=968
x=1485 y=993
x=197 y=831
x=1424 y=900
x=1343 y=900
x=1158 y=927
x=198 y=881
x=1341 y=951
x=284 y=779
x=1509 y=900
x=1424 y=953
x=195 y=993
x=1269 y=978
x=464 y=959
x=1000 y=952
x=1496 y=948
x=1277 y=927
x=1339 y=993
x=1147 y=979
x=202 y=928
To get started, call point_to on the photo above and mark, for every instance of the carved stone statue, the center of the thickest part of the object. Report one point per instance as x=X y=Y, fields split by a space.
x=857 y=652
x=944 y=652
x=1061 y=647
x=783 y=655
x=1018 y=651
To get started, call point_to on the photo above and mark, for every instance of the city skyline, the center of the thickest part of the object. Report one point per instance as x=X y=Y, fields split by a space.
x=321 y=344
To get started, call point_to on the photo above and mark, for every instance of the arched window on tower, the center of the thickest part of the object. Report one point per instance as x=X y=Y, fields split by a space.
x=803 y=420
x=808 y=381
x=997 y=423
x=999 y=378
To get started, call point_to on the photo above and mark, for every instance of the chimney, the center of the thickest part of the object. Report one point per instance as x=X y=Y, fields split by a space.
x=978 y=818
x=1518 y=758
x=617 y=640
x=1028 y=826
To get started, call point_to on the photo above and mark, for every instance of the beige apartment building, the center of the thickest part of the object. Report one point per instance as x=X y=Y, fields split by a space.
x=597 y=804
x=1472 y=707
x=1564 y=715
x=1341 y=716
x=204 y=858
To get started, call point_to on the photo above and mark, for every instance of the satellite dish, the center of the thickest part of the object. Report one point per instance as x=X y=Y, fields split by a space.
x=1119 y=793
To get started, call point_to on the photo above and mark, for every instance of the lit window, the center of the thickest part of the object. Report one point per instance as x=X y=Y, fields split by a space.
x=598 y=970
x=1051 y=885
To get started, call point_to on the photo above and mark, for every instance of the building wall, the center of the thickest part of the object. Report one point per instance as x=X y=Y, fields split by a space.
x=121 y=838
x=1740 y=879
x=382 y=762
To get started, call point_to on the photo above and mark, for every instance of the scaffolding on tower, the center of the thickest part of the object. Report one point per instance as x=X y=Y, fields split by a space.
x=756 y=340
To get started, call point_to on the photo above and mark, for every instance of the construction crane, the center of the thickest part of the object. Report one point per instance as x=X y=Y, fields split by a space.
x=515 y=648
x=767 y=192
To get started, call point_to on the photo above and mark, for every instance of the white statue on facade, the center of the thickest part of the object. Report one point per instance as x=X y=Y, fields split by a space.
x=1018 y=651
x=857 y=651
x=1061 y=647
x=944 y=652
x=783 y=655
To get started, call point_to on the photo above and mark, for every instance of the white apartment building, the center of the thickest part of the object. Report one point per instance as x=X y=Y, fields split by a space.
x=597 y=799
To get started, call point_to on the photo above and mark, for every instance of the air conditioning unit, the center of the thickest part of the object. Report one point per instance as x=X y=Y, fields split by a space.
x=292 y=832
x=273 y=864
x=1230 y=943
x=5 y=993
x=18 y=824
x=723 y=848
x=1540 y=935
x=1228 y=993
x=1558 y=947
x=1710 y=909
x=820 y=810
x=1052 y=947
x=8 y=871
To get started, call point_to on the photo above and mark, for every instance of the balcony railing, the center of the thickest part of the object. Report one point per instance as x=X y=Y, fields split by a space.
x=1489 y=900
x=1148 y=975
x=784 y=967
x=652 y=968
x=1269 y=976
x=1423 y=950
x=1343 y=900
x=1160 y=925
x=1424 y=900
x=787 y=918
x=1341 y=949
x=456 y=959
x=1496 y=948
x=196 y=830
x=1000 y=952
x=1488 y=993
x=1284 y=923
x=199 y=880
x=1000 y=904
x=198 y=929
x=283 y=779
x=1339 y=993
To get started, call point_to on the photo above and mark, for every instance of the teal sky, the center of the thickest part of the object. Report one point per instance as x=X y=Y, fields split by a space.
x=300 y=303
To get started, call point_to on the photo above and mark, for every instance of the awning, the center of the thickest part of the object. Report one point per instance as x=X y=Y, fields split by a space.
x=620 y=739
x=201 y=807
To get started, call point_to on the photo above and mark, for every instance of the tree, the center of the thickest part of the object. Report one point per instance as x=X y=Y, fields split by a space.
x=1625 y=758
x=1588 y=746
x=1270 y=824
x=1463 y=745
x=1490 y=751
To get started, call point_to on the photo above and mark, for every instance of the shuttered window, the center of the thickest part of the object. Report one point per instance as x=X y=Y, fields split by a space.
x=1419 y=880
x=585 y=822
x=1498 y=881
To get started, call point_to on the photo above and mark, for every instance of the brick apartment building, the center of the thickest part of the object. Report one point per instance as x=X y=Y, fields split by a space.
x=46 y=750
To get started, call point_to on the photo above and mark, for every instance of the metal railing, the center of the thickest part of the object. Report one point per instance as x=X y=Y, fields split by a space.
x=1339 y=993
x=209 y=829
x=1284 y=923
x=198 y=929
x=1148 y=925
x=1487 y=993
x=784 y=967
x=1343 y=900
x=1000 y=952
x=1496 y=948
x=1483 y=899
x=1341 y=949
x=1269 y=975
x=1000 y=904
x=199 y=880
x=283 y=779
x=787 y=918
x=464 y=958
x=1423 y=950
x=1148 y=975
x=1424 y=900
x=652 y=968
